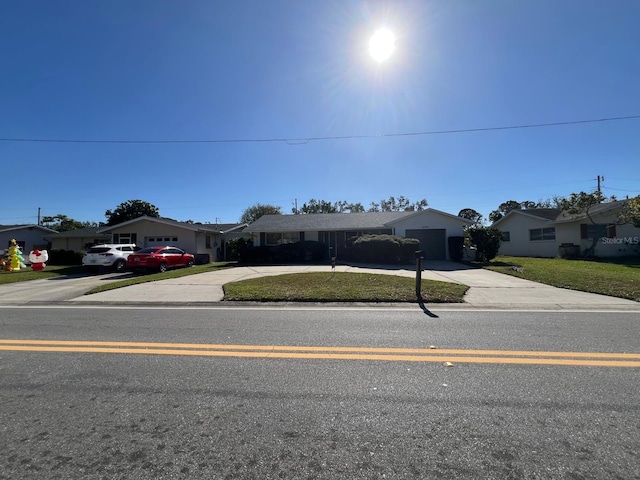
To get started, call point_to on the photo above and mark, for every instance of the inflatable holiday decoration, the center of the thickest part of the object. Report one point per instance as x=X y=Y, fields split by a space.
x=16 y=261
x=38 y=259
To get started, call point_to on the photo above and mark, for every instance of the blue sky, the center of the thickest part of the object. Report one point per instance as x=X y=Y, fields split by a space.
x=247 y=75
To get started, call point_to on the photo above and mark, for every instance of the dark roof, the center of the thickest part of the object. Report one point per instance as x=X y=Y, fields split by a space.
x=556 y=215
x=6 y=228
x=205 y=227
x=220 y=227
x=542 y=213
x=81 y=233
x=548 y=213
x=325 y=221
x=593 y=210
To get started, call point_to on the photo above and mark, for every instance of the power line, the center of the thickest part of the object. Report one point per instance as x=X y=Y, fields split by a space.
x=304 y=141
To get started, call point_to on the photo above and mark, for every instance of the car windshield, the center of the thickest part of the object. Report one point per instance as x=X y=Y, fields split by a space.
x=148 y=250
x=98 y=250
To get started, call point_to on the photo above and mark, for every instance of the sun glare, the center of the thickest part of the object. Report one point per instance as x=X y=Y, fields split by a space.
x=382 y=44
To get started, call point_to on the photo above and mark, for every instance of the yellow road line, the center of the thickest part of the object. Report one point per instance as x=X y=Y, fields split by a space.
x=600 y=359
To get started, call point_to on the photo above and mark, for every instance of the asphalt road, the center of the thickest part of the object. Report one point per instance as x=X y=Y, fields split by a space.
x=137 y=409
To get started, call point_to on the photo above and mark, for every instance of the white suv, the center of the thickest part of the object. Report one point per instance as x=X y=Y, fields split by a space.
x=109 y=255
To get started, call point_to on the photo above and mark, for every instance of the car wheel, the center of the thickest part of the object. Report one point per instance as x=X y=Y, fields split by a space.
x=162 y=267
x=190 y=263
x=120 y=266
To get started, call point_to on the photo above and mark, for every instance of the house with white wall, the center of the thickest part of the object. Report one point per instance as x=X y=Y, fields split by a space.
x=339 y=230
x=205 y=240
x=548 y=232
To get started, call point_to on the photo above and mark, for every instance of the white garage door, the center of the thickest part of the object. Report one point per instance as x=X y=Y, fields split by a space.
x=160 y=241
x=433 y=242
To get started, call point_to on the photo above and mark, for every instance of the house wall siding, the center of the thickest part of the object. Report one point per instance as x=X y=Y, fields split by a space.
x=186 y=238
x=519 y=245
x=78 y=244
x=33 y=237
x=626 y=241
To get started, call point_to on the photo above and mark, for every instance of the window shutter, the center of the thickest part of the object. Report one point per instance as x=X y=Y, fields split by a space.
x=583 y=231
x=116 y=238
x=611 y=231
x=263 y=238
x=134 y=238
x=302 y=236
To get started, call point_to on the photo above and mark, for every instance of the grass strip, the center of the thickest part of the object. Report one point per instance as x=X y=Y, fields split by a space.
x=341 y=287
x=613 y=277
x=27 y=274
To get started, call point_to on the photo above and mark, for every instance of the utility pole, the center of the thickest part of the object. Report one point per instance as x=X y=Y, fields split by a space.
x=38 y=215
x=600 y=179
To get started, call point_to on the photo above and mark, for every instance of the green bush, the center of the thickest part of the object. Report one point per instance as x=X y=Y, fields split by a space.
x=486 y=240
x=237 y=248
x=387 y=249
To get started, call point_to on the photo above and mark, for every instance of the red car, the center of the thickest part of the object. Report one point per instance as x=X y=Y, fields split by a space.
x=159 y=258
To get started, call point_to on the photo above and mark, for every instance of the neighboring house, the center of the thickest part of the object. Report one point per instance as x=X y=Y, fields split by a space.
x=28 y=237
x=206 y=241
x=339 y=230
x=547 y=232
x=529 y=233
x=78 y=240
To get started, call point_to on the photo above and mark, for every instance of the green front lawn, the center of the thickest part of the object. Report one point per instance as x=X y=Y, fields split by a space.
x=616 y=278
x=341 y=287
x=26 y=274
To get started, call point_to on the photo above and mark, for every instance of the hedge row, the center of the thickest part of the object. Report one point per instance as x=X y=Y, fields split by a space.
x=385 y=249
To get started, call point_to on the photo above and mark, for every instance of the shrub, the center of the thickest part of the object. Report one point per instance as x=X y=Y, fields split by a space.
x=486 y=241
x=237 y=247
x=385 y=249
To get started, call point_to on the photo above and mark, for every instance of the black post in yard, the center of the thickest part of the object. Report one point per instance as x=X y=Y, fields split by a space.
x=419 y=258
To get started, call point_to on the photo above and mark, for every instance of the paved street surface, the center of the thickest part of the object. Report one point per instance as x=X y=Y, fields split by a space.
x=365 y=393
x=487 y=289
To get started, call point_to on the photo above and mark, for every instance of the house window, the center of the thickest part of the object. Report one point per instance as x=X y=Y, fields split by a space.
x=537 y=234
x=591 y=231
x=125 y=238
x=207 y=242
x=506 y=236
x=281 y=238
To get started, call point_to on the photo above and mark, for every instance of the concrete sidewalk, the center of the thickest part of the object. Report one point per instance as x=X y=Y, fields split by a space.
x=488 y=290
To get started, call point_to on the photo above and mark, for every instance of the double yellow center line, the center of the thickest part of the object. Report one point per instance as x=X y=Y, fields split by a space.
x=451 y=356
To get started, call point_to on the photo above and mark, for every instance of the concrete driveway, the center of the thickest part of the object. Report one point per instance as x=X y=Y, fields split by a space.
x=488 y=290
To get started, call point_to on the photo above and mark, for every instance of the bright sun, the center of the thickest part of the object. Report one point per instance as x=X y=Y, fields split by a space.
x=382 y=44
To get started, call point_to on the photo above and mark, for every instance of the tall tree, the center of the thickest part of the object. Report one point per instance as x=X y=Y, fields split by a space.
x=62 y=223
x=343 y=207
x=130 y=210
x=400 y=204
x=318 y=206
x=251 y=214
x=581 y=202
x=631 y=212
x=503 y=209
x=471 y=214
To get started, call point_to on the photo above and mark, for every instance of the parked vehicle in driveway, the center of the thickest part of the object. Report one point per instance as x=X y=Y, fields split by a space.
x=159 y=258
x=107 y=255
